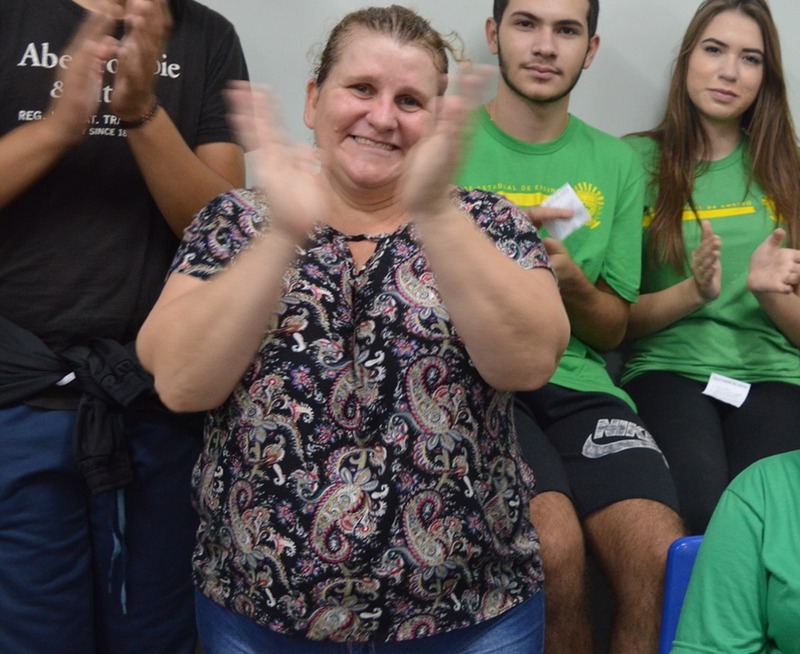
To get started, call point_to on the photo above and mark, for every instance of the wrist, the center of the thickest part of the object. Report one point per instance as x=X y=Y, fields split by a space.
x=289 y=233
x=572 y=281
x=696 y=298
x=60 y=134
x=443 y=209
x=142 y=118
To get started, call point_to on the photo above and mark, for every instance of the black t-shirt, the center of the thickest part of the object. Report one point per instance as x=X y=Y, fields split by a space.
x=84 y=252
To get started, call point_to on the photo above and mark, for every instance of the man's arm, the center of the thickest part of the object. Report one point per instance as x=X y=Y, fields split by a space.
x=180 y=180
x=599 y=306
x=598 y=316
x=29 y=151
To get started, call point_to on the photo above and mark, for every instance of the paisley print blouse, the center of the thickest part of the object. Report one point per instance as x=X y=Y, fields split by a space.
x=362 y=482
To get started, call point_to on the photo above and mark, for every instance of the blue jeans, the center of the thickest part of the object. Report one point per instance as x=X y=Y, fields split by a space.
x=517 y=631
x=94 y=574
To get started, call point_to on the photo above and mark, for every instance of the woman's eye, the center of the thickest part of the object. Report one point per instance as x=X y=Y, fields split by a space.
x=408 y=102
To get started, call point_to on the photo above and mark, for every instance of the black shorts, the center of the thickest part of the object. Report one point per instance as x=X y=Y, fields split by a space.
x=592 y=447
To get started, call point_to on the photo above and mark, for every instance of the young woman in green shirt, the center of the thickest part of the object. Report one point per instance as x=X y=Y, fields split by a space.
x=715 y=366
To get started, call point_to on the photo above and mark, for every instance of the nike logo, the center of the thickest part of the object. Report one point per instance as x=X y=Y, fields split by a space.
x=613 y=436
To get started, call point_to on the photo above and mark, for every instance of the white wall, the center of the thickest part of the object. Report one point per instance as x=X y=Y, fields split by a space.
x=623 y=91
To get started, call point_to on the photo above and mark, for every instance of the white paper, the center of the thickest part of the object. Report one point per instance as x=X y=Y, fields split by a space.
x=565 y=198
x=725 y=389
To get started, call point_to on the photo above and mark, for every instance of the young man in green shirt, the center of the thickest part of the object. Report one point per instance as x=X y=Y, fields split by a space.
x=744 y=593
x=598 y=470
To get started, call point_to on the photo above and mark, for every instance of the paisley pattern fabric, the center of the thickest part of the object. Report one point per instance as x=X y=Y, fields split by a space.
x=362 y=482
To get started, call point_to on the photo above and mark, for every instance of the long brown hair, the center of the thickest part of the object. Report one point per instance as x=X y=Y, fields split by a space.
x=770 y=140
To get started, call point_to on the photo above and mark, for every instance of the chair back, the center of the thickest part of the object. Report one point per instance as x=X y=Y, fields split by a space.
x=680 y=561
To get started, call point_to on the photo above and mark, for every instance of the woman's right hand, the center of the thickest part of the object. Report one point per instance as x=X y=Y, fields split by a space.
x=706 y=264
x=288 y=173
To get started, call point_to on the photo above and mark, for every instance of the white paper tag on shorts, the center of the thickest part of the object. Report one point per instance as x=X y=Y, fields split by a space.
x=565 y=198
x=725 y=389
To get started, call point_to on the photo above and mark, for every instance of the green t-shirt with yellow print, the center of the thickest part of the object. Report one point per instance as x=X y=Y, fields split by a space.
x=608 y=179
x=731 y=336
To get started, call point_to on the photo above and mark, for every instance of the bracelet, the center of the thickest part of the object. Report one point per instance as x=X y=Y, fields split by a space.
x=146 y=118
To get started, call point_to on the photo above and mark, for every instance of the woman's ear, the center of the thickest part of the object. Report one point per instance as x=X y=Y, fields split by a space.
x=310 y=110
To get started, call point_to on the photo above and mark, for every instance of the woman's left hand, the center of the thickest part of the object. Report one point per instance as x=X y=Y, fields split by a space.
x=774 y=269
x=431 y=164
x=147 y=27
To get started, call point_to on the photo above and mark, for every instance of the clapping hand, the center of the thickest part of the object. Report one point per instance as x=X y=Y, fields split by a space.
x=288 y=173
x=76 y=91
x=774 y=269
x=147 y=27
x=706 y=264
x=432 y=162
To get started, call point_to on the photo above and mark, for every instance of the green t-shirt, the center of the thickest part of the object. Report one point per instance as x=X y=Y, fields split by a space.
x=733 y=335
x=744 y=594
x=608 y=179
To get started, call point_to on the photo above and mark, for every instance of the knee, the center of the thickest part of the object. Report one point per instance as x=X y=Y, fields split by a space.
x=560 y=534
x=634 y=536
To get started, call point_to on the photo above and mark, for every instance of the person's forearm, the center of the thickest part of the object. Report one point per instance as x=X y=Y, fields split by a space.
x=655 y=311
x=201 y=336
x=597 y=315
x=181 y=182
x=512 y=320
x=27 y=153
x=30 y=150
x=784 y=310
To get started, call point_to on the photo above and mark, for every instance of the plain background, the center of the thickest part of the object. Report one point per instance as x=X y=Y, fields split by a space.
x=623 y=91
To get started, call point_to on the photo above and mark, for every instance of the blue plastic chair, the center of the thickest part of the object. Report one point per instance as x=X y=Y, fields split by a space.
x=680 y=561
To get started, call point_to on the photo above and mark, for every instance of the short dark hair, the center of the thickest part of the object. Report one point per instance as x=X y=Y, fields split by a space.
x=591 y=17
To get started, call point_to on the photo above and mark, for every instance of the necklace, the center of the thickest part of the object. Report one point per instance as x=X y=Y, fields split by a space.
x=372 y=238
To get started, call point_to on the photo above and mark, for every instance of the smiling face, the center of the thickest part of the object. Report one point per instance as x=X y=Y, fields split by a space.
x=375 y=104
x=726 y=68
x=543 y=46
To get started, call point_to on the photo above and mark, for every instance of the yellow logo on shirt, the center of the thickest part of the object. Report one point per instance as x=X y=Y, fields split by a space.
x=593 y=200
x=589 y=194
x=732 y=210
x=772 y=210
